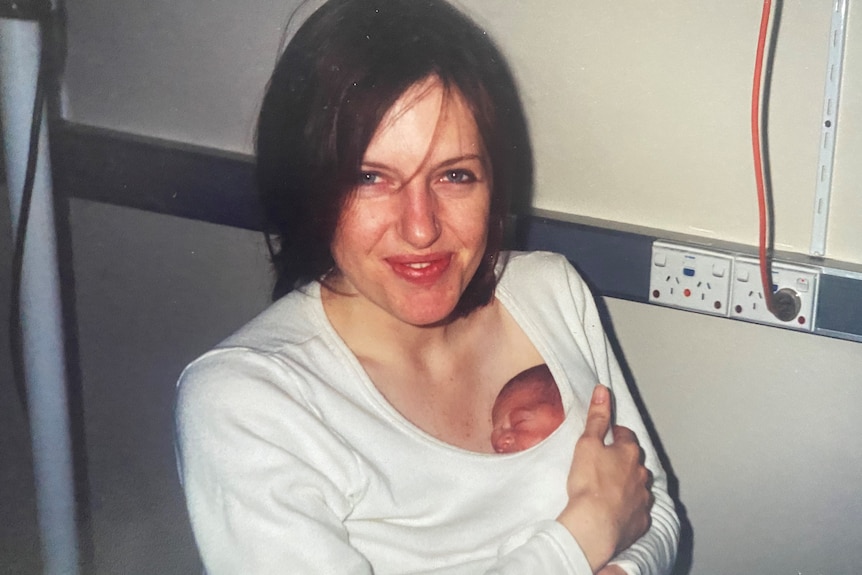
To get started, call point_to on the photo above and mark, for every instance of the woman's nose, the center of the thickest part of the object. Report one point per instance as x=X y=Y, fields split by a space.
x=420 y=225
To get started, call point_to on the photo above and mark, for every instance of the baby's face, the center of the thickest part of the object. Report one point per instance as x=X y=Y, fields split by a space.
x=521 y=420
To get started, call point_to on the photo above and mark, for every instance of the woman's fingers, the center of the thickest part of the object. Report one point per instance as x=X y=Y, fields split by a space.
x=599 y=414
x=609 y=486
x=624 y=435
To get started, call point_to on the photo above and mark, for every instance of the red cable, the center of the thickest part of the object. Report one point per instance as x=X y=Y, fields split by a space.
x=758 y=161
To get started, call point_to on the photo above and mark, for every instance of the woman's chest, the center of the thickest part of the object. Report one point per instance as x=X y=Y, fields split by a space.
x=449 y=393
x=445 y=508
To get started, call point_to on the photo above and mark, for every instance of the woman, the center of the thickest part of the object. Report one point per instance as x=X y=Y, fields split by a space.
x=345 y=430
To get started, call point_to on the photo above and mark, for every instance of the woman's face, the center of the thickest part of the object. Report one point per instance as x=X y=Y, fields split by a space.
x=414 y=230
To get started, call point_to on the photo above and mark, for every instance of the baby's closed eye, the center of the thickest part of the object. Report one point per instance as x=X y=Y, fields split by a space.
x=521 y=416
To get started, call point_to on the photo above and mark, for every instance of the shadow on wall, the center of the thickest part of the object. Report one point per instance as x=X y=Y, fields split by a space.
x=686 y=540
x=75 y=381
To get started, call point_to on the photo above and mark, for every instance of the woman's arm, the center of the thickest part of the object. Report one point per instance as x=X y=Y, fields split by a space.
x=609 y=497
x=653 y=553
x=264 y=483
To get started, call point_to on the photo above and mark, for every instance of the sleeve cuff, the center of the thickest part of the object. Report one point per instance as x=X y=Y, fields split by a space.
x=630 y=567
x=551 y=534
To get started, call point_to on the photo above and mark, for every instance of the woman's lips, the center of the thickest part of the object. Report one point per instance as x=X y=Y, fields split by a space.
x=420 y=270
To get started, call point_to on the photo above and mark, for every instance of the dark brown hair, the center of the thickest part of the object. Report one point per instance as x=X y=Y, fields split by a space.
x=339 y=75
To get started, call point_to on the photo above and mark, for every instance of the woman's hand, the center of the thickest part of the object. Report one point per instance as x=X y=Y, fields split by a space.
x=609 y=495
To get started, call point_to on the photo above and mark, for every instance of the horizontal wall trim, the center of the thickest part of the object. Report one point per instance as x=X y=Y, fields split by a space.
x=154 y=175
x=218 y=187
x=615 y=258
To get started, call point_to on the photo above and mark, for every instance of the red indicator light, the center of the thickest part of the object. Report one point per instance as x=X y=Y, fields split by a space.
x=686 y=292
x=801 y=320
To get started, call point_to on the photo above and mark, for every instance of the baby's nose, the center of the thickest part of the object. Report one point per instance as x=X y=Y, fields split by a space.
x=504 y=442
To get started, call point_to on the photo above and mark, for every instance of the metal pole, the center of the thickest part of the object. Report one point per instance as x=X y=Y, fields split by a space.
x=829 y=128
x=41 y=312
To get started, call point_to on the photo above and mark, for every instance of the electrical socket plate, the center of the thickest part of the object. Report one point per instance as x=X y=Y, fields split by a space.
x=690 y=278
x=746 y=299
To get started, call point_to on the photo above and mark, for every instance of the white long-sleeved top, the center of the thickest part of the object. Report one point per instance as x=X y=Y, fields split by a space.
x=293 y=462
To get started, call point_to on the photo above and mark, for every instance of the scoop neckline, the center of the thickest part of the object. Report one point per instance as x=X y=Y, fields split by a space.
x=386 y=408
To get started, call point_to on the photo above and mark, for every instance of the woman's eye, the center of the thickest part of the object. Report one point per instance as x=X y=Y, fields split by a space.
x=459 y=177
x=369 y=178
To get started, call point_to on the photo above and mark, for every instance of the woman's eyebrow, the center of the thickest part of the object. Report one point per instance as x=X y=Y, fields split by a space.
x=443 y=163
x=459 y=159
x=376 y=165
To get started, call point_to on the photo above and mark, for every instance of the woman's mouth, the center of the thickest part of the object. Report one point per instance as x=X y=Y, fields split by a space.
x=425 y=270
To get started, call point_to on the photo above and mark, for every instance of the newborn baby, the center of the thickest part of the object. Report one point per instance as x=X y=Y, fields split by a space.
x=527 y=410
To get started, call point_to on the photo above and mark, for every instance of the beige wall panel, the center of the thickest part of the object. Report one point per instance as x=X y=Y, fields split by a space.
x=640 y=111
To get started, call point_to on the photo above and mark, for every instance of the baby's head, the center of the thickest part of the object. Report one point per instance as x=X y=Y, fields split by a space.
x=527 y=410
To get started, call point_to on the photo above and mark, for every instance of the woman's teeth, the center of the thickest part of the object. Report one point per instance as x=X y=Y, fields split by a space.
x=418 y=266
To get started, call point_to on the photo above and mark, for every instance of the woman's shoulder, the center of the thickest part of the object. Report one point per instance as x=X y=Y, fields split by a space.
x=291 y=320
x=538 y=270
x=268 y=354
x=543 y=285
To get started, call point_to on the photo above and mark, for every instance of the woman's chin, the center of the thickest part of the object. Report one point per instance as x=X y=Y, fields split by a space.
x=427 y=320
x=424 y=308
x=430 y=314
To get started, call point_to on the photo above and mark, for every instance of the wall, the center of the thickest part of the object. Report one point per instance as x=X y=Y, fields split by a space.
x=639 y=112
x=151 y=293
x=762 y=428
x=639 y=109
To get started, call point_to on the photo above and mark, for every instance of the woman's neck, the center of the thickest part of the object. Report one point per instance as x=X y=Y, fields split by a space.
x=371 y=332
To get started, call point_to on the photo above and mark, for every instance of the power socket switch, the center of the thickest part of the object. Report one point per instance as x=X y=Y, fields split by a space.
x=690 y=278
x=797 y=284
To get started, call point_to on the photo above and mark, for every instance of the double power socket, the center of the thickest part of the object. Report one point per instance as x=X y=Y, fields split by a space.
x=729 y=285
